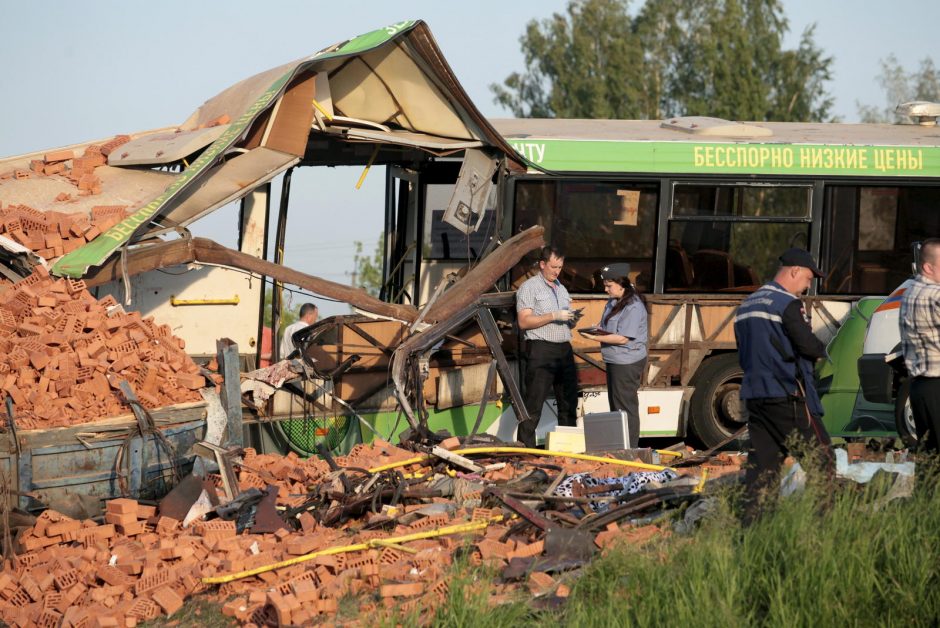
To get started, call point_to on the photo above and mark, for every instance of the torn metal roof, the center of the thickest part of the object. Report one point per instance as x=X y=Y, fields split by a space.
x=389 y=87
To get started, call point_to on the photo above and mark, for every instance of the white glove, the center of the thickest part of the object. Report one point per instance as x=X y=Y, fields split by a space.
x=562 y=315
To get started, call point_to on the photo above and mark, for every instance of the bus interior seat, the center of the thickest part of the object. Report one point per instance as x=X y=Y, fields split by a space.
x=523 y=276
x=745 y=276
x=713 y=269
x=678 y=268
x=578 y=276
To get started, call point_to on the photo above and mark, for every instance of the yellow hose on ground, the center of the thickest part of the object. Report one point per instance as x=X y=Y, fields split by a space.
x=358 y=547
x=668 y=452
x=521 y=450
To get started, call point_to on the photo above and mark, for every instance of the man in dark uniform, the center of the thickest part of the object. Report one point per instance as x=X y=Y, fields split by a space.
x=777 y=350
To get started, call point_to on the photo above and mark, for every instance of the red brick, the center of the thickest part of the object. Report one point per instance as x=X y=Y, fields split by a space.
x=63 y=527
x=191 y=381
x=451 y=443
x=120 y=519
x=540 y=583
x=144 y=609
x=402 y=590
x=59 y=155
x=132 y=529
x=112 y=576
x=154 y=581
x=168 y=600
x=299 y=546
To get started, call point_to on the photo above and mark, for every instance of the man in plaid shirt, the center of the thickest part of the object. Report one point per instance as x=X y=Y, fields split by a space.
x=920 y=341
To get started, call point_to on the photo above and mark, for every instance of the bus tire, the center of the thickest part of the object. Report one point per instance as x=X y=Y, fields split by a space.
x=903 y=416
x=715 y=407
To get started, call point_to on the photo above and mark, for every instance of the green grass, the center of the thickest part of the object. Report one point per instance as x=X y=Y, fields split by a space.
x=197 y=612
x=853 y=564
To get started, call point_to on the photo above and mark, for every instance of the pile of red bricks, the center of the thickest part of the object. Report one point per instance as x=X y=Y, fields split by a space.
x=139 y=565
x=80 y=171
x=52 y=234
x=63 y=354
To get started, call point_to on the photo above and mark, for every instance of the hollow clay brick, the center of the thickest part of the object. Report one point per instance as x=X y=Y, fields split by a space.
x=167 y=599
x=58 y=155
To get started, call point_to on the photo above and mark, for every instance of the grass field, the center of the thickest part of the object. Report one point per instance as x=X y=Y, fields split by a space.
x=861 y=562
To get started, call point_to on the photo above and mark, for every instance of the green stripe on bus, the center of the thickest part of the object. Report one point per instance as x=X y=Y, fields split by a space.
x=729 y=158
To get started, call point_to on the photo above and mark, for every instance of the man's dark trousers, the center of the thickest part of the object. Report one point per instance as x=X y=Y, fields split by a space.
x=925 y=404
x=771 y=422
x=549 y=366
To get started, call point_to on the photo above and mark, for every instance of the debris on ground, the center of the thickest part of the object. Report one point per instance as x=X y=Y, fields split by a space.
x=281 y=539
x=302 y=533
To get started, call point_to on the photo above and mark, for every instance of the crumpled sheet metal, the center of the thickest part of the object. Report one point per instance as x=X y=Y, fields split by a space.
x=262 y=383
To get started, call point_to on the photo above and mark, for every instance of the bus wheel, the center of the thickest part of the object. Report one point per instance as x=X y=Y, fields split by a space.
x=904 y=416
x=715 y=406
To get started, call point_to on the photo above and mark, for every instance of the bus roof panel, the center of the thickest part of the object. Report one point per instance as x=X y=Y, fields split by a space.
x=644 y=146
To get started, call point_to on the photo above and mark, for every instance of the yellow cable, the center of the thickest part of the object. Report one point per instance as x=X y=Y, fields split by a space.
x=701 y=484
x=397 y=546
x=667 y=452
x=362 y=177
x=522 y=450
x=358 y=547
x=326 y=114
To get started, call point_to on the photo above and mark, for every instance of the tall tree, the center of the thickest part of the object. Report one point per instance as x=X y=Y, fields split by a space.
x=723 y=58
x=289 y=311
x=901 y=86
x=586 y=64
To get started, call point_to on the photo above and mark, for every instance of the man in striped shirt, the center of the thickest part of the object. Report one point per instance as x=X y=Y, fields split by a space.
x=544 y=312
x=920 y=341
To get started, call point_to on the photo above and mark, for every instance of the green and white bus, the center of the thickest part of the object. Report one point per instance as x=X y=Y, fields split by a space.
x=700 y=208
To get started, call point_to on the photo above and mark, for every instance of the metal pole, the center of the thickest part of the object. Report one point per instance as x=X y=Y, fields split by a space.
x=388 y=232
x=264 y=256
x=279 y=259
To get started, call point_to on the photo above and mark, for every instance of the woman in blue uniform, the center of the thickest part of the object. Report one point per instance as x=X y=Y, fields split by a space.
x=623 y=347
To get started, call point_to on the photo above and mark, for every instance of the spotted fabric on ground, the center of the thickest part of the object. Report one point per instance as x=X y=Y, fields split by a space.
x=621 y=487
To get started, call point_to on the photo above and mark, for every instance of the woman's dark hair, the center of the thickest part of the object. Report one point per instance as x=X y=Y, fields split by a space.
x=630 y=292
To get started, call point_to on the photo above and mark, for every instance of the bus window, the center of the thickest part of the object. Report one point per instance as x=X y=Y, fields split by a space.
x=867 y=233
x=593 y=223
x=725 y=238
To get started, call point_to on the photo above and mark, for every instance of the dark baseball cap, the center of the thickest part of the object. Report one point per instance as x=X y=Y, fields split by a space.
x=615 y=271
x=801 y=257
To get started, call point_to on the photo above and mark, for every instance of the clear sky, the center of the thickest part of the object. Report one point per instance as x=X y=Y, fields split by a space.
x=77 y=71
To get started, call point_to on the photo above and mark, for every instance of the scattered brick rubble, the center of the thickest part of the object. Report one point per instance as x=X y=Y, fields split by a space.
x=63 y=354
x=80 y=171
x=138 y=565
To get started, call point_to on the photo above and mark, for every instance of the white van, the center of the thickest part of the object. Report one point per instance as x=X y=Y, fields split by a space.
x=882 y=373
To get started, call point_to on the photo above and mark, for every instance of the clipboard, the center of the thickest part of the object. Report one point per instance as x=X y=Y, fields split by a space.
x=594 y=331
